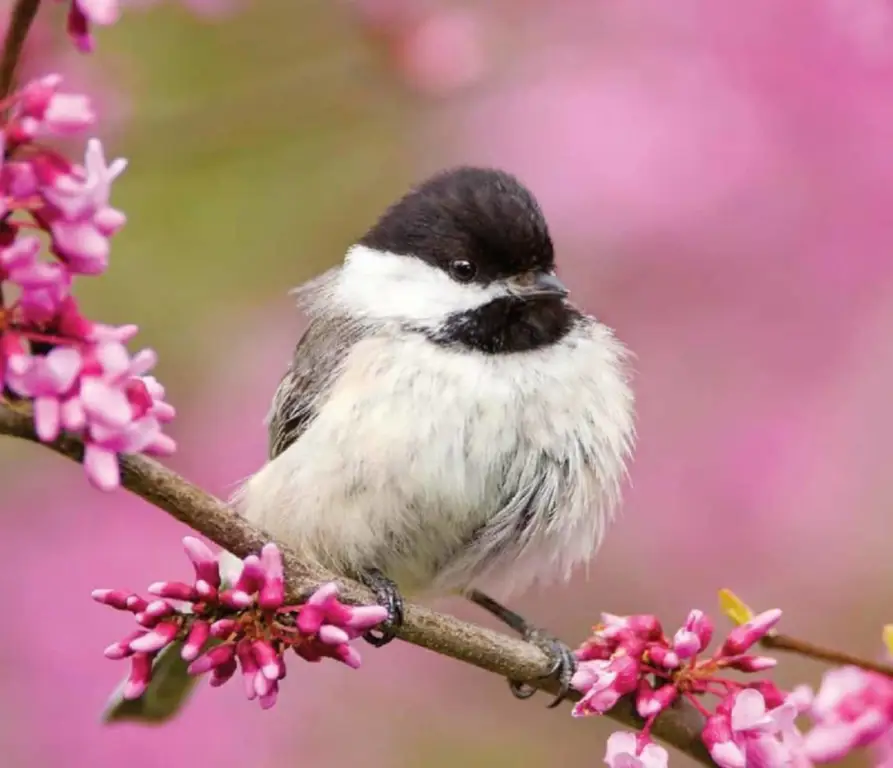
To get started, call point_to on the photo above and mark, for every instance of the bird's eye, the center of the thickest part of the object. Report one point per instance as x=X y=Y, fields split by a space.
x=462 y=270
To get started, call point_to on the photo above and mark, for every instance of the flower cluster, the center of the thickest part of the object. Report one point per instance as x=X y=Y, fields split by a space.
x=78 y=373
x=246 y=627
x=853 y=708
x=751 y=723
x=633 y=655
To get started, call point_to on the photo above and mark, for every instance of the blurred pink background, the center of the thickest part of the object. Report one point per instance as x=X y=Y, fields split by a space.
x=719 y=182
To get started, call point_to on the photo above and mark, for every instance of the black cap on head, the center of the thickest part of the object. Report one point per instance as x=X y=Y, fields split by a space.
x=479 y=215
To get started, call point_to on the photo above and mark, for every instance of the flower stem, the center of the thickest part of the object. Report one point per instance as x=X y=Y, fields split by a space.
x=780 y=642
x=23 y=14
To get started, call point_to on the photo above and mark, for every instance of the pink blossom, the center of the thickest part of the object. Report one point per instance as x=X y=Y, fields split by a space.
x=603 y=683
x=98 y=391
x=83 y=13
x=43 y=285
x=628 y=750
x=694 y=635
x=853 y=708
x=251 y=618
x=42 y=110
x=651 y=699
x=752 y=724
x=47 y=380
x=87 y=383
x=77 y=211
x=743 y=732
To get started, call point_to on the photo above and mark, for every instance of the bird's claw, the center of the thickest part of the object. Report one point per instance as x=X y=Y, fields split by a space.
x=563 y=667
x=564 y=662
x=389 y=597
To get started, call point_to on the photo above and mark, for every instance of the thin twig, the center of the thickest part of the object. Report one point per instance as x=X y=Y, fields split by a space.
x=779 y=642
x=20 y=20
x=492 y=651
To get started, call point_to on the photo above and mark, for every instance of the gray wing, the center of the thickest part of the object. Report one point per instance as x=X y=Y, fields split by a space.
x=303 y=390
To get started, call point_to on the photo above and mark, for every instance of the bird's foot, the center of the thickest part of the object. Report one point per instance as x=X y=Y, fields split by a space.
x=564 y=662
x=389 y=597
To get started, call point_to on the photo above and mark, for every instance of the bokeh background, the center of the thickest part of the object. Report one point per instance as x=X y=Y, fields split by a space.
x=719 y=182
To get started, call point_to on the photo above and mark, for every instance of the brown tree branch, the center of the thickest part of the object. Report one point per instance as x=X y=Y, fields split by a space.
x=20 y=21
x=488 y=650
x=779 y=642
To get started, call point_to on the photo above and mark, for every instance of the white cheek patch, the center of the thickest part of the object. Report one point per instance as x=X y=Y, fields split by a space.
x=386 y=286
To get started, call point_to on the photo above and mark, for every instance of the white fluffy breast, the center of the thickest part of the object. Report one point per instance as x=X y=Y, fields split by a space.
x=417 y=446
x=380 y=286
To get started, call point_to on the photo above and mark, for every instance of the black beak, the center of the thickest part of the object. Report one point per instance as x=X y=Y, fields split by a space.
x=537 y=284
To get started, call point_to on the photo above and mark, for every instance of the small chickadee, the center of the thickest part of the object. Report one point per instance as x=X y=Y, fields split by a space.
x=449 y=420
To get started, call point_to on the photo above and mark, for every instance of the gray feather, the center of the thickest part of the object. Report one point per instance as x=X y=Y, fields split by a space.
x=317 y=359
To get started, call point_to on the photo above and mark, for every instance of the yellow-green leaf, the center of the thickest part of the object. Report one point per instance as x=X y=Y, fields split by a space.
x=734 y=607
x=888 y=638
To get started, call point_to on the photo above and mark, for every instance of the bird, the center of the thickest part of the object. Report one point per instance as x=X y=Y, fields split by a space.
x=449 y=422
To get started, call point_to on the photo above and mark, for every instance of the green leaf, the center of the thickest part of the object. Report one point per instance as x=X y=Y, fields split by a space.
x=166 y=695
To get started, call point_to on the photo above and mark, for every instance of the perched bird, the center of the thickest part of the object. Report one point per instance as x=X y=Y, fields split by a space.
x=449 y=420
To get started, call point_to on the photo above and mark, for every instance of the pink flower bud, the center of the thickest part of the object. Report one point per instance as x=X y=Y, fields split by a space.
x=136 y=603
x=743 y=637
x=195 y=640
x=663 y=656
x=140 y=675
x=122 y=649
x=173 y=590
x=203 y=560
x=223 y=673
x=749 y=663
x=262 y=684
x=365 y=617
x=233 y=598
x=205 y=590
x=248 y=663
x=269 y=698
x=650 y=702
x=332 y=635
x=155 y=639
x=348 y=655
x=115 y=598
x=154 y=612
x=267 y=659
x=595 y=649
x=627 y=671
x=252 y=576
x=272 y=592
x=646 y=626
x=633 y=644
x=214 y=658
x=310 y=652
x=223 y=628
x=700 y=624
x=310 y=618
x=280 y=662
x=686 y=644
